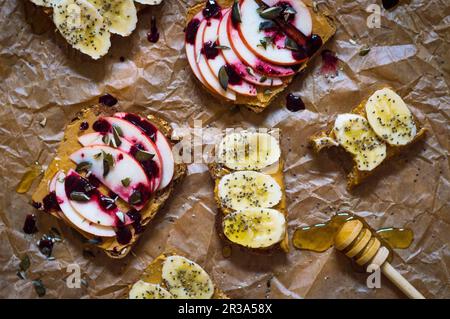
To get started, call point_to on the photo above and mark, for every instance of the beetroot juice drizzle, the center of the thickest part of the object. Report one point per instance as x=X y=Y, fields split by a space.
x=191 y=31
x=29 y=226
x=76 y=183
x=212 y=10
x=234 y=76
x=148 y=128
x=294 y=103
x=210 y=50
x=50 y=202
x=153 y=35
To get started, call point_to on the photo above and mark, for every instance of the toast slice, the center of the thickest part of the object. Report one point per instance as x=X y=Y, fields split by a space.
x=69 y=144
x=153 y=275
x=323 y=25
x=218 y=170
x=327 y=140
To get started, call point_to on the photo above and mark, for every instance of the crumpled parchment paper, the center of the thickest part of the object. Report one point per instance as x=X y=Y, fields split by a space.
x=42 y=79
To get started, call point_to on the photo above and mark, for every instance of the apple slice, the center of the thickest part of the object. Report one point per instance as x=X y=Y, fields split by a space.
x=118 y=171
x=216 y=61
x=153 y=166
x=270 y=44
x=108 y=139
x=249 y=58
x=189 y=43
x=246 y=72
x=73 y=216
x=163 y=145
x=91 y=204
x=302 y=20
x=204 y=69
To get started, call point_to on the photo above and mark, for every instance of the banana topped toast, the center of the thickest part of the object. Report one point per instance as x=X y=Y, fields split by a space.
x=248 y=51
x=249 y=190
x=376 y=130
x=87 y=25
x=171 y=276
x=112 y=172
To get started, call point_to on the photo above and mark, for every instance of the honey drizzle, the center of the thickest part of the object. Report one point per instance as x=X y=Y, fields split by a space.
x=33 y=172
x=320 y=237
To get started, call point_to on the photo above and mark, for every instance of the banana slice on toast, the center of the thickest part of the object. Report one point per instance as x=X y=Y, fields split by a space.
x=185 y=279
x=120 y=15
x=255 y=227
x=245 y=189
x=354 y=134
x=248 y=150
x=146 y=290
x=80 y=23
x=390 y=117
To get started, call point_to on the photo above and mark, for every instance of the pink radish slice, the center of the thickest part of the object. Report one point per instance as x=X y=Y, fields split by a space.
x=205 y=71
x=135 y=191
x=231 y=58
x=99 y=209
x=163 y=145
x=249 y=58
x=135 y=136
x=216 y=62
x=73 y=216
x=275 y=53
x=191 y=32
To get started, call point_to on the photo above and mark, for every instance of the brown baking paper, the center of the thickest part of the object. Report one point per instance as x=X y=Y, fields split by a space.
x=42 y=79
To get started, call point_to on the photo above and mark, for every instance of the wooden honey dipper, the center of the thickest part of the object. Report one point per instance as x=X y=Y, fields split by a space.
x=358 y=242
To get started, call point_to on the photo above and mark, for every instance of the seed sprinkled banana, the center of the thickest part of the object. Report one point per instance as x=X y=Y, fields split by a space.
x=248 y=150
x=80 y=23
x=355 y=135
x=390 y=117
x=146 y=290
x=255 y=227
x=244 y=189
x=185 y=279
x=120 y=15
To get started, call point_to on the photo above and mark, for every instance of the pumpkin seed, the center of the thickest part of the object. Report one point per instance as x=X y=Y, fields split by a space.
x=83 y=167
x=364 y=51
x=143 y=156
x=135 y=198
x=267 y=25
x=291 y=44
x=271 y=13
x=223 y=77
x=126 y=182
x=235 y=13
x=79 y=197
x=222 y=47
x=39 y=287
x=117 y=134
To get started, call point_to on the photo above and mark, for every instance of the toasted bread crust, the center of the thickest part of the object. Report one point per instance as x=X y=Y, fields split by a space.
x=153 y=274
x=62 y=162
x=323 y=25
x=355 y=176
x=217 y=171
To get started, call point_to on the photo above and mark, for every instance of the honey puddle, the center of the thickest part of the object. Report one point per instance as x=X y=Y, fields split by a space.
x=320 y=237
x=34 y=171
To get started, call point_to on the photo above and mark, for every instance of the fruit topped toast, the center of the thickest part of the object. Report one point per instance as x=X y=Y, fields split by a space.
x=249 y=190
x=87 y=25
x=248 y=51
x=113 y=171
x=376 y=130
x=171 y=276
